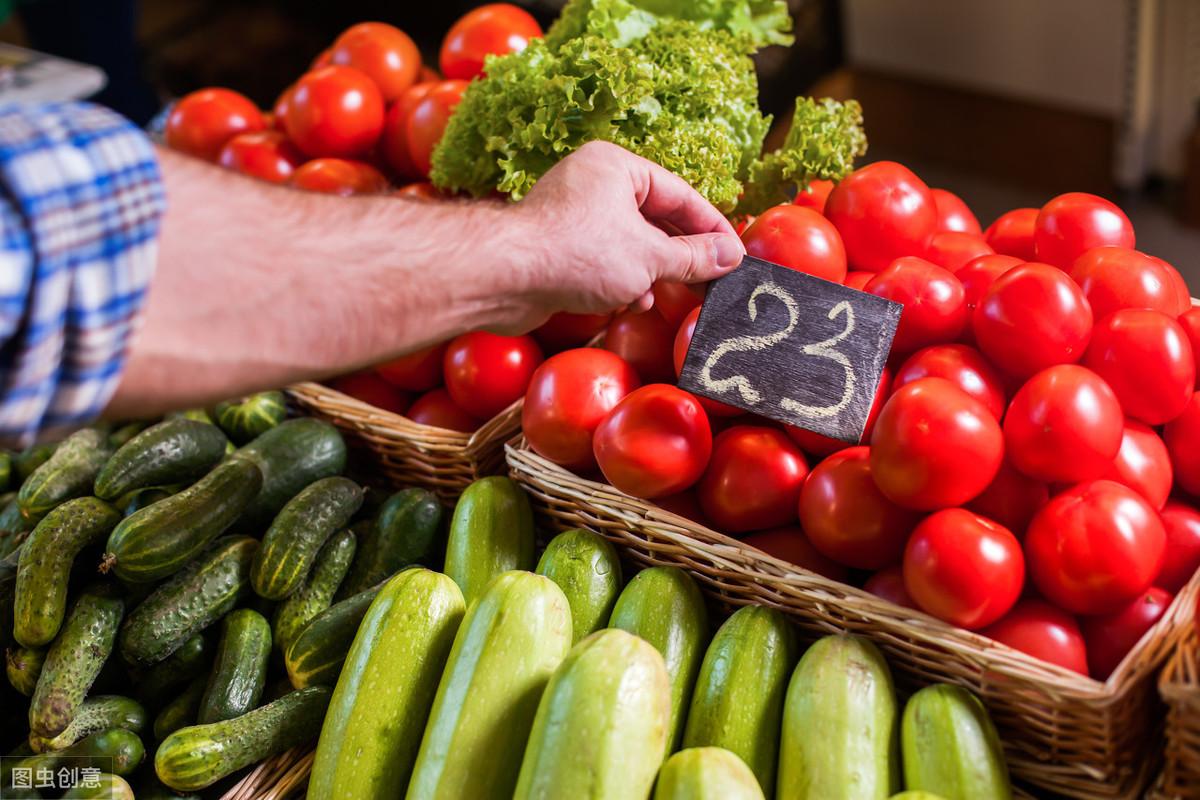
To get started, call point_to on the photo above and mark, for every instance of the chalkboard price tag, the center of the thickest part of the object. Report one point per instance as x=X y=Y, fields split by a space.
x=792 y=347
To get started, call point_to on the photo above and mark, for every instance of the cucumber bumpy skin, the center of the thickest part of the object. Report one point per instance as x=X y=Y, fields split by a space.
x=240 y=671
x=317 y=593
x=173 y=451
x=291 y=455
x=99 y=713
x=316 y=655
x=68 y=473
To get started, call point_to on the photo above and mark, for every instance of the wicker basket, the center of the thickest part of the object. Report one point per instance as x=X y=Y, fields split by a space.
x=1179 y=687
x=1063 y=732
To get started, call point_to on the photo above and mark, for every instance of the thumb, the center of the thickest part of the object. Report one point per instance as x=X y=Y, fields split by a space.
x=700 y=257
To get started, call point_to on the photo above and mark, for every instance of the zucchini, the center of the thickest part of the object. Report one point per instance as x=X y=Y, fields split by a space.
x=663 y=606
x=198 y=595
x=45 y=566
x=75 y=660
x=97 y=714
x=291 y=455
x=316 y=594
x=370 y=737
x=491 y=533
x=240 y=671
x=196 y=757
x=23 y=665
x=28 y=460
x=181 y=711
x=117 y=751
x=706 y=773
x=407 y=530
x=290 y=545
x=737 y=704
x=601 y=725
x=315 y=656
x=158 y=540
x=105 y=786
x=67 y=474
x=841 y=691
x=249 y=417
x=190 y=660
x=173 y=451
x=916 y=794
x=510 y=642
x=950 y=746
x=585 y=567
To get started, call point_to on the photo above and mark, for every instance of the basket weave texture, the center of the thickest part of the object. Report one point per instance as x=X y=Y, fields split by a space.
x=1179 y=687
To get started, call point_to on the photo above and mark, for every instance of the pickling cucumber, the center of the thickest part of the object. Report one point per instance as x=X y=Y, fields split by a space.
x=173 y=451
x=7 y=470
x=190 y=660
x=96 y=714
x=290 y=456
x=585 y=567
x=252 y=416
x=317 y=592
x=407 y=530
x=28 y=460
x=950 y=746
x=315 y=656
x=102 y=787
x=181 y=711
x=23 y=665
x=491 y=532
x=706 y=773
x=240 y=671
x=117 y=750
x=68 y=473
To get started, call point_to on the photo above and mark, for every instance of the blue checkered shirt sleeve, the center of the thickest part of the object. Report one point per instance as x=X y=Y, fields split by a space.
x=80 y=204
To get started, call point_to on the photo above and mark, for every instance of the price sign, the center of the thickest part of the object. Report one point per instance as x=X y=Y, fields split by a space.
x=792 y=347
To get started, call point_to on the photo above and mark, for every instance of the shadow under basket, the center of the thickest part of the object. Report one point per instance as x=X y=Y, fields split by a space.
x=1062 y=731
x=1179 y=687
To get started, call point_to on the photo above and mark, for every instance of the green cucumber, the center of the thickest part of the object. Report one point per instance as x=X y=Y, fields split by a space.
x=585 y=567
x=158 y=540
x=198 y=414
x=67 y=474
x=252 y=416
x=601 y=725
x=12 y=525
x=28 y=460
x=663 y=606
x=75 y=660
x=706 y=773
x=737 y=703
x=134 y=502
x=316 y=655
x=369 y=740
x=196 y=757
x=491 y=533
x=174 y=451
x=23 y=665
x=117 y=751
x=916 y=794
x=101 y=787
x=96 y=714
x=839 y=724
x=7 y=470
x=950 y=746
x=181 y=711
x=291 y=455
x=240 y=671
x=317 y=593
x=510 y=642
x=195 y=597
x=290 y=545
x=189 y=661
x=407 y=530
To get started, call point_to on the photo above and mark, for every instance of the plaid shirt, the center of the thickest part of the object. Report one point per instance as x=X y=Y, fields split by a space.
x=80 y=203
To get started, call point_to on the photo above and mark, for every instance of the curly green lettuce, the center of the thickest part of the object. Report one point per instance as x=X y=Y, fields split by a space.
x=763 y=22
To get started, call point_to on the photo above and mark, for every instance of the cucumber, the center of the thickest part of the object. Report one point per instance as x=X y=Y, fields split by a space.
x=200 y=594
x=99 y=713
x=916 y=795
x=839 y=724
x=407 y=530
x=101 y=787
x=316 y=594
x=12 y=525
x=198 y=756
x=491 y=533
x=189 y=661
x=181 y=711
x=585 y=567
x=240 y=671
x=45 y=565
x=950 y=746
x=23 y=666
x=117 y=751
x=67 y=474
x=370 y=737
x=7 y=470
x=198 y=414
x=737 y=703
x=134 y=502
x=158 y=540
x=663 y=606
x=28 y=460
x=252 y=416
x=174 y=451
x=509 y=644
x=291 y=455
x=290 y=545
x=75 y=660
x=601 y=725
x=316 y=655
x=706 y=773
x=121 y=435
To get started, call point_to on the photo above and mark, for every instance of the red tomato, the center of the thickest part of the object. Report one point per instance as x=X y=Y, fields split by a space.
x=888 y=583
x=1110 y=637
x=1181 y=287
x=323 y=59
x=953 y=214
x=202 y=122
x=335 y=111
x=858 y=280
x=279 y=110
x=486 y=373
x=676 y=300
x=1182 y=525
x=977 y=277
x=1012 y=233
x=365 y=385
x=384 y=53
x=797 y=238
x=818 y=445
x=1146 y=358
x=419 y=371
x=1113 y=278
x=1011 y=499
x=655 y=442
x=428 y=119
x=393 y=143
x=338 y=176
x=683 y=340
x=741 y=223
x=815 y=195
x=1190 y=320
x=684 y=504
x=1143 y=464
x=423 y=191
x=1182 y=436
x=645 y=340
x=1032 y=317
x=1073 y=223
x=883 y=211
x=753 y=479
x=566 y=329
x=934 y=446
x=568 y=397
x=791 y=545
x=935 y=307
x=847 y=518
x=266 y=155
x=493 y=29
x=1039 y=629
x=953 y=250
x=436 y=408
x=963 y=366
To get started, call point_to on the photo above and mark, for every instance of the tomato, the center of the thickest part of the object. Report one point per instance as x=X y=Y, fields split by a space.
x=655 y=442
x=1110 y=637
x=279 y=110
x=888 y=583
x=684 y=504
x=1146 y=358
x=791 y=545
x=741 y=223
x=486 y=373
x=566 y=329
x=883 y=211
x=418 y=371
x=1073 y=223
x=393 y=142
x=1182 y=291
x=436 y=408
x=977 y=277
x=382 y=52
x=1182 y=436
x=365 y=385
x=266 y=155
x=858 y=279
x=683 y=340
x=676 y=300
x=335 y=111
x=1143 y=464
x=493 y=29
x=753 y=479
x=645 y=340
x=1113 y=278
x=797 y=238
x=935 y=307
x=953 y=250
x=1047 y=633
x=202 y=122
x=338 y=176
x=1032 y=317
x=1182 y=525
x=815 y=195
x=568 y=397
x=847 y=518
x=818 y=445
x=1011 y=499
x=963 y=366
x=1012 y=233
x=1190 y=320
x=953 y=214
x=322 y=59
x=934 y=446
x=423 y=191
x=428 y=119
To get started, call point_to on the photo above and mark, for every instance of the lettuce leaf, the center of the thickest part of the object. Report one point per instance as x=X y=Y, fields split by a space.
x=763 y=22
